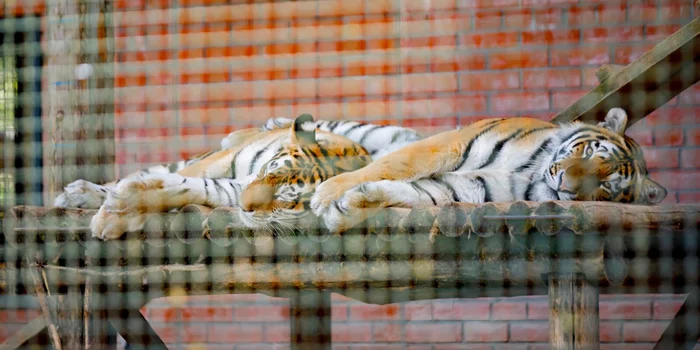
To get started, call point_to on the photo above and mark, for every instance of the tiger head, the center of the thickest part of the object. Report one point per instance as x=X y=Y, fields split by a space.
x=601 y=163
x=279 y=196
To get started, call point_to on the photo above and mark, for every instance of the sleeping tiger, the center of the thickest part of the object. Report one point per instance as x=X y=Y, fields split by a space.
x=498 y=160
x=269 y=172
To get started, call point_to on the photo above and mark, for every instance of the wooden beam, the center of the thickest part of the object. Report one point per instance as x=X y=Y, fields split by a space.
x=573 y=313
x=310 y=312
x=29 y=331
x=646 y=84
x=607 y=70
x=135 y=329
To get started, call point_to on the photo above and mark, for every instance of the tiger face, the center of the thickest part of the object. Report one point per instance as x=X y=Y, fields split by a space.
x=600 y=163
x=279 y=197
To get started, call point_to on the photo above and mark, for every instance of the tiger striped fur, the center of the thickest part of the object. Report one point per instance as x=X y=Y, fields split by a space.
x=497 y=160
x=269 y=172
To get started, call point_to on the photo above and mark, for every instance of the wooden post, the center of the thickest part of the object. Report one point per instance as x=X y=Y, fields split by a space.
x=79 y=78
x=310 y=312
x=573 y=313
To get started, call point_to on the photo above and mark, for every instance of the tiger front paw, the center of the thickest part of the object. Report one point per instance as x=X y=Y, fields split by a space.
x=124 y=209
x=329 y=192
x=81 y=194
x=353 y=207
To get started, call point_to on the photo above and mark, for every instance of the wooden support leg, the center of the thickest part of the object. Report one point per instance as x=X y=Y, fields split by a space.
x=311 y=320
x=573 y=313
x=136 y=330
x=684 y=330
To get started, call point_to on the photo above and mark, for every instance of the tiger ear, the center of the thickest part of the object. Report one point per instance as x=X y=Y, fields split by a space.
x=615 y=121
x=303 y=130
x=652 y=193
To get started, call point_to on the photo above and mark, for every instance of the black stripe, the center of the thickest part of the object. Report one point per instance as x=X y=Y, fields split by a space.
x=364 y=137
x=257 y=155
x=498 y=147
x=528 y=196
x=533 y=157
x=359 y=125
x=532 y=131
x=487 y=191
x=465 y=154
x=565 y=139
x=220 y=188
x=332 y=125
x=449 y=188
x=206 y=188
x=420 y=189
x=235 y=190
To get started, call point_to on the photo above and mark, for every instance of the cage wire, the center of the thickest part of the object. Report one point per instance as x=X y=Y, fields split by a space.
x=97 y=90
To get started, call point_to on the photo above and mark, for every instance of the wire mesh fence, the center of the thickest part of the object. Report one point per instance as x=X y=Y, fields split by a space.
x=220 y=235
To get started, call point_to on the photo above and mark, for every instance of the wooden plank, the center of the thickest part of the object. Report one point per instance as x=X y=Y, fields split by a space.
x=607 y=70
x=684 y=331
x=645 y=84
x=310 y=312
x=29 y=331
x=135 y=329
x=573 y=313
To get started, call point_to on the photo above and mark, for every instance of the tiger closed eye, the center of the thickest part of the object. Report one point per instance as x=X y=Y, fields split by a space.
x=606 y=184
x=589 y=151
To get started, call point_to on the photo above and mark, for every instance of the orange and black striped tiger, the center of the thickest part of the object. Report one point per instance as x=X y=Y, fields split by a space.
x=496 y=160
x=269 y=172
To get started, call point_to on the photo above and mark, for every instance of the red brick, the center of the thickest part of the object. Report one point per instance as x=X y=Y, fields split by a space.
x=643 y=136
x=158 y=314
x=487 y=19
x=673 y=116
x=461 y=310
x=489 y=40
x=518 y=59
x=550 y=37
x=611 y=13
x=387 y=332
x=625 y=54
x=644 y=13
x=367 y=312
x=261 y=313
x=661 y=32
x=689 y=197
x=235 y=333
x=418 y=310
x=482 y=81
x=666 y=309
x=352 y=333
x=580 y=56
x=548 y=17
x=674 y=10
x=563 y=99
x=690 y=96
x=433 y=332
x=167 y=333
x=277 y=333
x=668 y=137
x=194 y=333
x=509 y=311
x=517 y=18
x=690 y=158
x=579 y=15
x=551 y=78
x=519 y=102
x=538 y=310
x=643 y=331
x=529 y=332
x=339 y=312
x=207 y=314
x=482 y=332
x=693 y=137
x=612 y=34
x=659 y=158
x=677 y=180
x=610 y=332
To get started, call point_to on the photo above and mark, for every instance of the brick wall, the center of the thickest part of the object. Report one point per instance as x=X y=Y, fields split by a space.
x=187 y=76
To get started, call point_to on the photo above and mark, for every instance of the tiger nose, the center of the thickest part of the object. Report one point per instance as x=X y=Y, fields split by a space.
x=257 y=196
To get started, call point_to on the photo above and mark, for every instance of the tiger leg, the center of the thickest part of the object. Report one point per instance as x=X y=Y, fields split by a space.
x=365 y=200
x=437 y=154
x=132 y=199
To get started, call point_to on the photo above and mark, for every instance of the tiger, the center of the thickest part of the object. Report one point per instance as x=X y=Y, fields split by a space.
x=269 y=173
x=496 y=160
